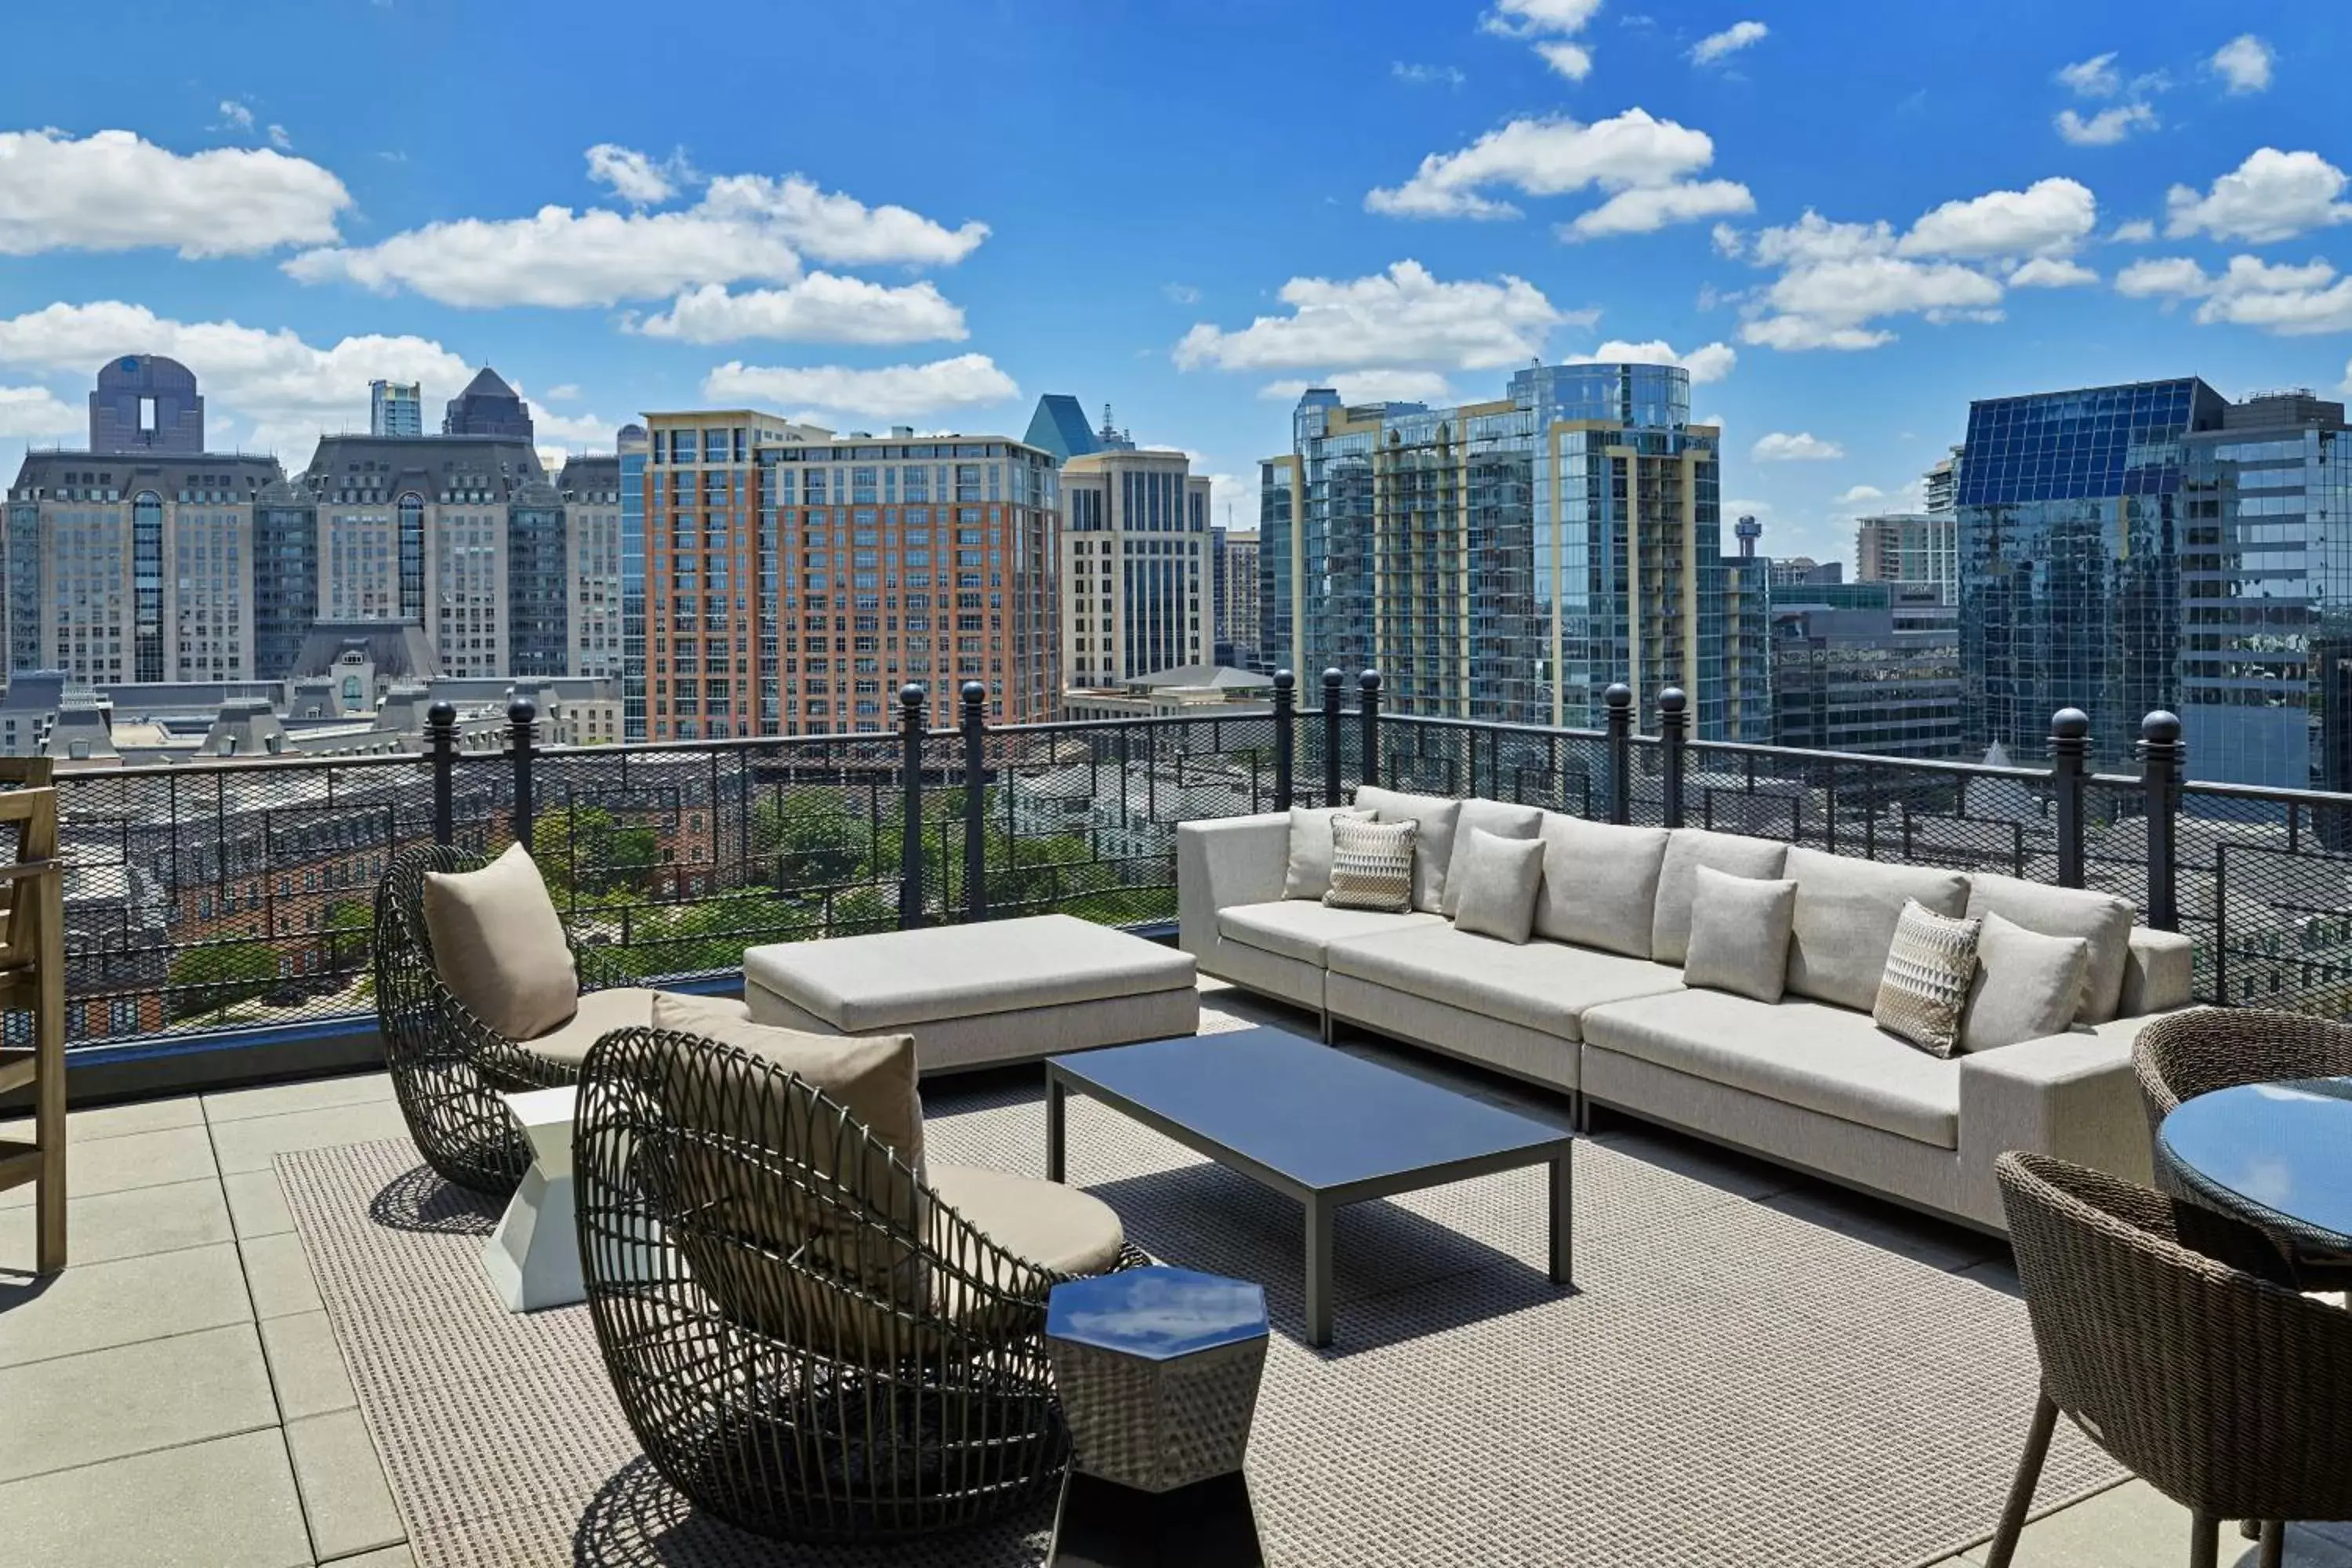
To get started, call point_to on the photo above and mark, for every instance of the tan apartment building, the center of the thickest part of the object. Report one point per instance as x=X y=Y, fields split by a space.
x=1134 y=566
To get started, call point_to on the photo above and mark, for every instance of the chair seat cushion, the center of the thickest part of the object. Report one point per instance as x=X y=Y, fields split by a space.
x=1806 y=1053
x=1054 y=1227
x=1542 y=985
x=1306 y=932
x=601 y=1011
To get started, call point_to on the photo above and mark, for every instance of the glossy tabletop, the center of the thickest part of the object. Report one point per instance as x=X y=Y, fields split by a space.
x=2278 y=1154
x=1156 y=1314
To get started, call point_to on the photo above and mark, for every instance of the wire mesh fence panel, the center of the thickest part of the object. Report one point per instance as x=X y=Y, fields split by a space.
x=2115 y=841
x=2264 y=885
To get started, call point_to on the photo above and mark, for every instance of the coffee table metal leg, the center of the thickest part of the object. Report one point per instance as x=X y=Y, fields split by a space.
x=1055 y=1092
x=1318 y=1269
x=1562 y=1221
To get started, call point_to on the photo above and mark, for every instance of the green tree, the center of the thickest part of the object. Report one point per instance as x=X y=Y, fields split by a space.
x=221 y=974
x=348 y=927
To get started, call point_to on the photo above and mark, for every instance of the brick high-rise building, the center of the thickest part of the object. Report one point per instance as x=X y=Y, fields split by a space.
x=795 y=579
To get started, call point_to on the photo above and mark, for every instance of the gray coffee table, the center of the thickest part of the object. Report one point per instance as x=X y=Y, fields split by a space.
x=1313 y=1123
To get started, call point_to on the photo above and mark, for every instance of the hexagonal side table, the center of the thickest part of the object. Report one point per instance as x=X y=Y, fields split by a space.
x=1157 y=1371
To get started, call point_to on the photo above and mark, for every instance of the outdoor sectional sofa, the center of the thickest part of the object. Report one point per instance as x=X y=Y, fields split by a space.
x=1598 y=1008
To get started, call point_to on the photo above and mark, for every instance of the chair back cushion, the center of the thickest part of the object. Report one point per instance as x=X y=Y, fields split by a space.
x=498 y=946
x=1688 y=849
x=1433 y=818
x=1846 y=913
x=1599 y=883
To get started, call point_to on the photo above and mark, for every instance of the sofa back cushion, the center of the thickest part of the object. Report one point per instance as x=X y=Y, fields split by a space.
x=2101 y=920
x=1688 y=849
x=1500 y=818
x=1599 y=883
x=1846 y=914
x=1433 y=818
x=1308 y=874
x=498 y=946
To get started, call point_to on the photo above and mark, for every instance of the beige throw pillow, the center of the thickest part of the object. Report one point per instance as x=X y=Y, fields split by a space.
x=1309 y=872
x=1493 y=884
x=1925 y=987
x=1371 y=866
x=2028 y=985
x=1739 y=933
x=1688 y=849
x=498 y=946
x=1498 y=817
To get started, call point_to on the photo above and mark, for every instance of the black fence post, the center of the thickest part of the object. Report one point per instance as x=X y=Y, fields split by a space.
x=1285 y=736
x=441 y=752
x=2159 y=761
x=1672 y=706
x=1618 y=708
x=2070 y=744
x=911 y=698
x=1331 y=737
x=522 y=718
x=1368 y=714
x=975 y=801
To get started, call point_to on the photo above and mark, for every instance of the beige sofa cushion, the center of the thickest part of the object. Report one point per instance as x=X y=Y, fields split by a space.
x=1294 y=928
x=2102 y=920
x=2028 y=985
x=1493 y=816
x=1601 y=883
x=1435 y=818
x=1541 y=986
x=1492 y=884
x=499 y=946
x=1739 y=934
x=1805 y=1054
x=1846 y=912
x=1688 y=849
x=1308 y=874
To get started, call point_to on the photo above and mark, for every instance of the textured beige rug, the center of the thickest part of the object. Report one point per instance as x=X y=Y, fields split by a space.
x=1731 y=1386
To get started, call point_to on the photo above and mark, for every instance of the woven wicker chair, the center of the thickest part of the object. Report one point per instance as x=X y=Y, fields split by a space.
x=2225 y=1392
x=448 y=1067
x=809 y=1342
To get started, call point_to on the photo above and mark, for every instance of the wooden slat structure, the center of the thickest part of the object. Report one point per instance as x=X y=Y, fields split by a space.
x=33 y=983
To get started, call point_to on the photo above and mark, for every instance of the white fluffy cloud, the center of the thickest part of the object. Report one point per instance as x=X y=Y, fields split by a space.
x=1730 y=41
x=1404 y=317
x=1804 y=446
x=635 y=177
x=2107 y=127
x=2138 y=231
x=1647 y=208
x=1860 y=495
x=236 y=115
x=2290 y=300
x=1551 y=157
x=2271 y=195
x=112 y=191
x=2094 y=78
x=1573 y=61
x=1521 y=18
x=745 y=227
x=889 y=392
x=821 y=307
x=288 y=389
x=1712 y=361
x=573 y=432
x=2049 y=217
x=2050 y=272
x=2243 y=63
x=1372 y=385
x=32 y=412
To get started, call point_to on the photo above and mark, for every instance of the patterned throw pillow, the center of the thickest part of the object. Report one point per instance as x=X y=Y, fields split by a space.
x=1371 y=865
x=1925 y=988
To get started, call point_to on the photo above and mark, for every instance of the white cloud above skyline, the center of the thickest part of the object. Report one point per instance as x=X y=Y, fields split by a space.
x=1739 y=35
x=2273 y=196
x=1708 y=362
x=113 y=190
x=1803 y=446
x=1403 y=318
x=821 y=307
x=2243 y=64
x=886 y=393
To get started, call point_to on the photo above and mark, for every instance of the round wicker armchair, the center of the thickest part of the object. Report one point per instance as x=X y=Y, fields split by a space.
x=808 y=1340
x=2223 y=1391
x=2184 y=1054
x=448 y=1067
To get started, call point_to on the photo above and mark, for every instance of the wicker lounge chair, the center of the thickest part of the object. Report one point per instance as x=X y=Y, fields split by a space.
x=2224 y=1391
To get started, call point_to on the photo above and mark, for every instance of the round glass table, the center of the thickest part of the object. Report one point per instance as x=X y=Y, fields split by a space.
x=2277 y=1155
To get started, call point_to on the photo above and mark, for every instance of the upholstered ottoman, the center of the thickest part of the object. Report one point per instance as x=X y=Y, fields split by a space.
x=975 y=995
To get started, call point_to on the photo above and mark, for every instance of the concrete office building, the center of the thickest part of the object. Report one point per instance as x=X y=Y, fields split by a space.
x=1134 y=564
x=395 y=408
x=1233 y=591
x=795 y=579
x=590 y=490
x=488 y=406
x=1940 y=485
x=145 y=402
x=1910 y=547
x=1507 y=560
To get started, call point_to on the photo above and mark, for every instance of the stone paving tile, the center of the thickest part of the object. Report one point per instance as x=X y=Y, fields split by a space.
x=250 y=1144
x=280 y=1276
x=344 y=1495
x=131 y=1399
x=2133 y=1525
x=92 y=1306
x=206 y=1505
x=305 y=1366
x=132 y=1160
x=283 y=1098
x=390 y=1557
x=257 y=1204
x=131 y=1223
x=117 y=1121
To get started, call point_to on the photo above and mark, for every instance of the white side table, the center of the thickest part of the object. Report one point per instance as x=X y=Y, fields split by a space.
x=533 y=1261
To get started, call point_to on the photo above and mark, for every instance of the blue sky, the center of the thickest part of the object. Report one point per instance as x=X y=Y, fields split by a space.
x=932 y=214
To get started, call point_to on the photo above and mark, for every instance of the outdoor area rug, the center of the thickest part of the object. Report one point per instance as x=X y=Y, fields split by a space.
x=1731 y=1384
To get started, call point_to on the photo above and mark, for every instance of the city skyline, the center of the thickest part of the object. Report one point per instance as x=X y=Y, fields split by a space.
x=664 y=249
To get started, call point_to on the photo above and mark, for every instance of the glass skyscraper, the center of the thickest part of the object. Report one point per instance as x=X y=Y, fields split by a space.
x=1507 y=560
x=2070 y=516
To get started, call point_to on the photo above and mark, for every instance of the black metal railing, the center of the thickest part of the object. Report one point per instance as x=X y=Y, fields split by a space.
x=236 y=895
